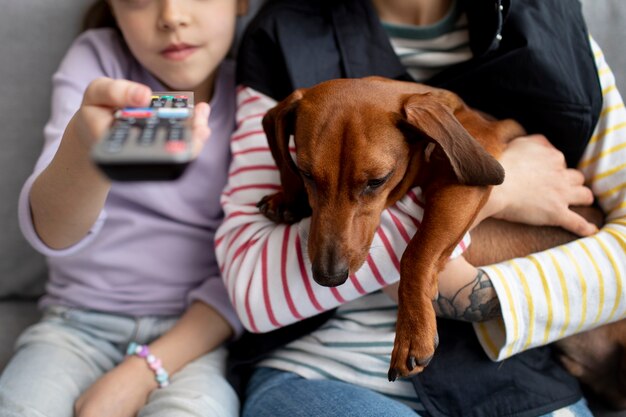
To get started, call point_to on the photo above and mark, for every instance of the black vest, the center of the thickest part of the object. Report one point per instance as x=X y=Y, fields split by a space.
x=532 y=60
x=533 y=63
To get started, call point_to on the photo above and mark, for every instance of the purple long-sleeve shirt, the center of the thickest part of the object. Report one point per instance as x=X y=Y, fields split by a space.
x=151 y=250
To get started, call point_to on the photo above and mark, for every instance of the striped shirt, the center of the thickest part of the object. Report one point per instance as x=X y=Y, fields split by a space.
x=544 y=297
x=562 y=291
x=426 y=50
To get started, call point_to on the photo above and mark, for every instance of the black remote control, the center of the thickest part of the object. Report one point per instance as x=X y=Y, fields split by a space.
x=149 y=143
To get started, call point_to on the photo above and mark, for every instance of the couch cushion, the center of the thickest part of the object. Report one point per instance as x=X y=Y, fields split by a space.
x=40 y=32
x=605 y=19
x=15 y=316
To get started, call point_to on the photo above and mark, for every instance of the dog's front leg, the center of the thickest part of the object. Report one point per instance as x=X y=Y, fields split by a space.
x=292 y=203
x=289 y=205
x=449 y=212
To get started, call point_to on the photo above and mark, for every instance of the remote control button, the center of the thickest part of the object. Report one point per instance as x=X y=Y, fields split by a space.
x=116 y=139
x=179 y=101
x=137 y=112
x=169 y=113
x=175 y=147
x=147 y=136
x=158 y=102
x=175 y=134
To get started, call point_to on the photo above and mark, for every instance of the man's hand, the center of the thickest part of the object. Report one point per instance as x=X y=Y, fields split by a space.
x=121 y=392
x=539 y=188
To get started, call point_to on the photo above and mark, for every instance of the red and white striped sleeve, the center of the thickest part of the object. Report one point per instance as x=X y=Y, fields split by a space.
x=265 y=265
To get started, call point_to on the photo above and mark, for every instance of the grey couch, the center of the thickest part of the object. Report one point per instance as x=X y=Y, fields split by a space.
x=35 y=35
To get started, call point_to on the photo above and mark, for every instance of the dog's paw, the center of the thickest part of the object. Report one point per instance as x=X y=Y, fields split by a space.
x=414 y=345
x=276 y=208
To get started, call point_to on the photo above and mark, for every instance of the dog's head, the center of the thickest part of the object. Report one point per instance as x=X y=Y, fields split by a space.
x=360 y=146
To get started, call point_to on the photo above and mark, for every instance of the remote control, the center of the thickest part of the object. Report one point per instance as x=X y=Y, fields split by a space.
x=148 y=143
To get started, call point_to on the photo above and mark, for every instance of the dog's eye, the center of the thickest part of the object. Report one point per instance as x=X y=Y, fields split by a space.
x=375 y=183
x=307 y=175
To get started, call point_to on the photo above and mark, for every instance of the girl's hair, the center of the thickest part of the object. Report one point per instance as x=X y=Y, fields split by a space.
x=99 y=15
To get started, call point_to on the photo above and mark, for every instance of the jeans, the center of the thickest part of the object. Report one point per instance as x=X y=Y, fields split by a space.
x=275 y=393
x=69 y=349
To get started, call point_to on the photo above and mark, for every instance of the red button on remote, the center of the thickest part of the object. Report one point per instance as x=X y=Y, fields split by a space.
x=175 y=147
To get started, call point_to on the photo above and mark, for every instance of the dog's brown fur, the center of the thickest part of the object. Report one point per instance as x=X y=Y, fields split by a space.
x=360 y=146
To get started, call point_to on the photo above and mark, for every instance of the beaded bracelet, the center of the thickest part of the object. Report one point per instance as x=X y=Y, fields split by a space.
x=154 y=363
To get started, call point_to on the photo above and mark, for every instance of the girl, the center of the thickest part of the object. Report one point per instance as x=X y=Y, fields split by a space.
x=135 y=313
x=526 y=59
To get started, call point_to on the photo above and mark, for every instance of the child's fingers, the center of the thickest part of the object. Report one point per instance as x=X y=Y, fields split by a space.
x=200 y=126
x=201 y=116
x=107 y=92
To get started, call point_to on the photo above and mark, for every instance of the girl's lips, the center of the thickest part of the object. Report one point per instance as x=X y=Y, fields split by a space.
x=178 y=52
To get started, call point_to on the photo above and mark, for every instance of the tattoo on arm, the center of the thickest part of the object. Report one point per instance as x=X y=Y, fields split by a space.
x=476 y=301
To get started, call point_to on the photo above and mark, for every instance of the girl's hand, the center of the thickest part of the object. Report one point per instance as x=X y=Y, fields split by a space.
x=121 y=392
x=200 y=127
x=539 y=189
x=69 y=194
x=102 y=97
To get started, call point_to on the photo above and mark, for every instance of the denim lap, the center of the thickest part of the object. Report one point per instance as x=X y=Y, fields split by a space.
x=274 y=393
x=578 y=409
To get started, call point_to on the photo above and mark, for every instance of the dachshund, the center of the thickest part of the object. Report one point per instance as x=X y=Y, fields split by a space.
x=361 y=145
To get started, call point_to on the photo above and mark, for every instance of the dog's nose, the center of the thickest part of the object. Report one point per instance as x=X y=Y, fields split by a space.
x=332 y=276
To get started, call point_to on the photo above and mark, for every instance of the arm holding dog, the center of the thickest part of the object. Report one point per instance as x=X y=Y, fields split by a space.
x=248 y=239
x=561 y=291
x=581 y=285
x=248 y=242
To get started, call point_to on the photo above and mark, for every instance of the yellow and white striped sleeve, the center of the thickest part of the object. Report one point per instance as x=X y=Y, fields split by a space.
x=571 y=288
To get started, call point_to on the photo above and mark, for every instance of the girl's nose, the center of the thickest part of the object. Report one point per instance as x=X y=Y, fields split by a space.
x=173 y=15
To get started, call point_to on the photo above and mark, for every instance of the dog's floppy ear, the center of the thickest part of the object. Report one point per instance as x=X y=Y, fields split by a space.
x=471 y=163
x=278 y=125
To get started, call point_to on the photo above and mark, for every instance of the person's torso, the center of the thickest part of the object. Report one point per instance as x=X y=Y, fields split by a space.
x=156 y=242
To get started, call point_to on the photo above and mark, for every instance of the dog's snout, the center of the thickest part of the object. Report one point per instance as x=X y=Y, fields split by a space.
x=330 y=271
x=331 y=277
x=330 y=263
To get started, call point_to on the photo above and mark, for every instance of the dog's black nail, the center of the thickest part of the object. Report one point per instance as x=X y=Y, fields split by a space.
x=425 y=362
x=392 y=375
x=411 y=363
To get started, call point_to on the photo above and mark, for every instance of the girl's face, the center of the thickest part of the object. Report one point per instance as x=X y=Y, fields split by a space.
x=181 y=42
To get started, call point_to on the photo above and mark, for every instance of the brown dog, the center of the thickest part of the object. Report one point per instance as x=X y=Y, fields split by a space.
x=360 y=146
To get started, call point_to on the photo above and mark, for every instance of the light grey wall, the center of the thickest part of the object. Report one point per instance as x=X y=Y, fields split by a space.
x=606 y=20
